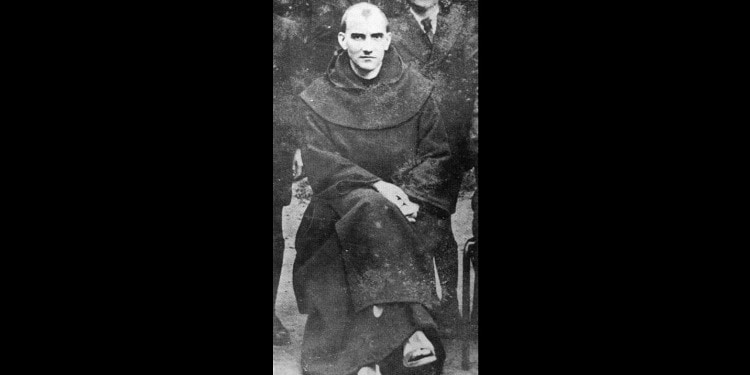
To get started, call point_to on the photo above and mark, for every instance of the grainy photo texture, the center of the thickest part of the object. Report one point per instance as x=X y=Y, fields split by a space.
x=375 y=200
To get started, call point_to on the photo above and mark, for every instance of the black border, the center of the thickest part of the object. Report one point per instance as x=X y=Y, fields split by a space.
x=153 y=167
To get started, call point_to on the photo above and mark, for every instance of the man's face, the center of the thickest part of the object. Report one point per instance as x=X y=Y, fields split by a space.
x=366 y=41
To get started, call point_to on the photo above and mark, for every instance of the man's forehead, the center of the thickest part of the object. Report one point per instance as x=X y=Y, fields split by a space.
x=373 y=22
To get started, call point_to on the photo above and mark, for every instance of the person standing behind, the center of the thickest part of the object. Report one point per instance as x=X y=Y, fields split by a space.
x=440 y=42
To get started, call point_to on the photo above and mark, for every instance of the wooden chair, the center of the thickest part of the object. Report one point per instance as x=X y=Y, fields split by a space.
x=469 y=310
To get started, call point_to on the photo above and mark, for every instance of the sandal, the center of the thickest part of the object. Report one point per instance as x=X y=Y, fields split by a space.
x=418 y=351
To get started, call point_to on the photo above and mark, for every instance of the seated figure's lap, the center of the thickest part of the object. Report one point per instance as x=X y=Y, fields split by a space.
x=363 y=198
x=369 y=196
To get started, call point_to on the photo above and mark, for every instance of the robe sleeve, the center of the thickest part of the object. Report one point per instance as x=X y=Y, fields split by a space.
x=330 y=174
x=426 y=181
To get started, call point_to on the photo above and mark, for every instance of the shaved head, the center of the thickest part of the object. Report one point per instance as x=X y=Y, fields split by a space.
x=365 y=38
x=365 y=10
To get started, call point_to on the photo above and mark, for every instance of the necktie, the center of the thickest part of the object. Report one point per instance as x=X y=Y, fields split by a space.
x=427 y=24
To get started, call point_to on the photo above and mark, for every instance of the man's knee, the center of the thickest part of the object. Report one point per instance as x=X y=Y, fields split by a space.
x=369 y=198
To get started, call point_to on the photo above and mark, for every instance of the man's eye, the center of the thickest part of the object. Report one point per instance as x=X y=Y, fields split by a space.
x=377 y=37
x=358 y=37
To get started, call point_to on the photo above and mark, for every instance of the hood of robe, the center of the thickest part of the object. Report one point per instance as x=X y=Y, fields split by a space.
x=341 y=98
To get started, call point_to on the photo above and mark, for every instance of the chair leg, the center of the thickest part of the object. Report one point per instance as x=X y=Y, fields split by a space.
x=466 y=309
x=475 y=303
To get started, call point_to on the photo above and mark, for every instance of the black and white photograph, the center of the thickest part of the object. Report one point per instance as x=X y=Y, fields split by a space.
x=375 y=194
x=150 y=202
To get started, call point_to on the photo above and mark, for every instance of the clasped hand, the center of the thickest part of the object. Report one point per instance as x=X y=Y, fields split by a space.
x=397 y=196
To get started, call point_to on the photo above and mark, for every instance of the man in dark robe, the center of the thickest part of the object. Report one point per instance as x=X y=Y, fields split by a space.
x=439 y=40
x=375 y=156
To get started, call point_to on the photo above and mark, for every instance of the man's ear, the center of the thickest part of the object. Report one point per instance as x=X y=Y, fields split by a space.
x=387 y=40
x=342 y=38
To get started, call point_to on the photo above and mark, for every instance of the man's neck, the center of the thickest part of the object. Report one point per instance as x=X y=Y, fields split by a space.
x=368 y=75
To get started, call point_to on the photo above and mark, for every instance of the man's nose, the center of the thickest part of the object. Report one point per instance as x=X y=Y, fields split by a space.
x=367 y=47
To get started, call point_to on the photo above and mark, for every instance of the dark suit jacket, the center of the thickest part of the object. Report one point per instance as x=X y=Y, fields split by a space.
x=450 y=62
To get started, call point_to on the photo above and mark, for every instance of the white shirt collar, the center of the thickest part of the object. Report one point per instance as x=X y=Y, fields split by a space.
x=432 y=13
